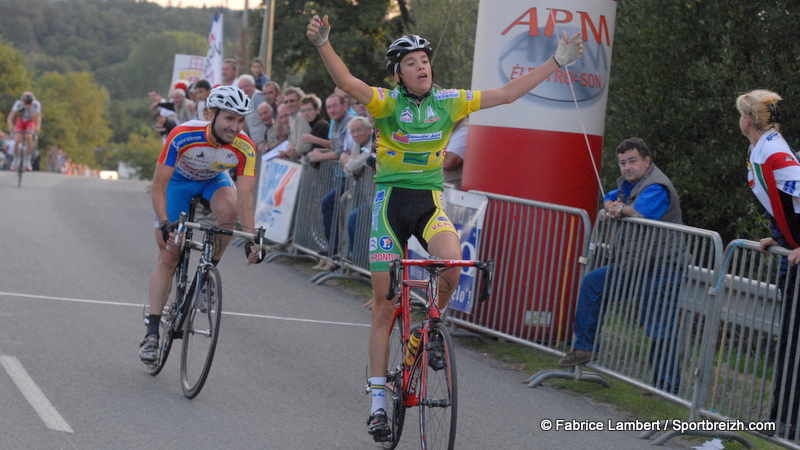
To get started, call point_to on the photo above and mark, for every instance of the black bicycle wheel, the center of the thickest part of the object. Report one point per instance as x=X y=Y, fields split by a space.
x=438 y=391
x=395 y=411
x=201 y=332
x=20 y=163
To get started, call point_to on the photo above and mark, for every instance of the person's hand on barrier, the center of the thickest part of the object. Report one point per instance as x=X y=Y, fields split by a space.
x=794 y=257
x=765 y=244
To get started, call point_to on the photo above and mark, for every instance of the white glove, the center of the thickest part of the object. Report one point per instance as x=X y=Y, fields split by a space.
x=568 y=50
x=318 y=31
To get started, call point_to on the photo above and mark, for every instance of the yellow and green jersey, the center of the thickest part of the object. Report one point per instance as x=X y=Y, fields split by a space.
x=411 y=138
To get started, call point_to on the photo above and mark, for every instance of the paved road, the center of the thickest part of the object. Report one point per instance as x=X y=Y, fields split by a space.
x=75 y=258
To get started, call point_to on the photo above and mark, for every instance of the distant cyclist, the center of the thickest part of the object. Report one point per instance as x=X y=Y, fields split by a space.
x=24 y=121
x=195 y=161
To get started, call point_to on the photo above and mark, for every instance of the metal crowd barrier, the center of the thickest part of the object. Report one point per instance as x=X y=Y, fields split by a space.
x=753 y=352
x=348 y=201
x=537 y=249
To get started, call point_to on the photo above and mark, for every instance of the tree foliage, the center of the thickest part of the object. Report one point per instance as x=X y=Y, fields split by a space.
x=73 y=114
x=674 y=82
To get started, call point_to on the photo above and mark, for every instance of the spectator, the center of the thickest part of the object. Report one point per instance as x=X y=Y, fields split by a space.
x=165 y=122
x=282 y=127
x=155 y=100
x=773 y=172
x=336 y=143
x=230 y=70
x=454 y=153
x=253 y=126
x=272 y=94
x=642 y=191
x=200 y=93
x=310 y=108
x=355 y=163
x=297 y=126
x=183 y=107
x=270 y=140
x=257 y=70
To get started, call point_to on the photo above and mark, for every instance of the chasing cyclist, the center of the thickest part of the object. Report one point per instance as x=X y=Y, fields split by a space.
x=413 y=122
x=25 y=121
x=195 y=161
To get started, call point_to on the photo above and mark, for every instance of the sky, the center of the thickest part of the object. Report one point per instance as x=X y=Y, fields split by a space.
x=230 y=4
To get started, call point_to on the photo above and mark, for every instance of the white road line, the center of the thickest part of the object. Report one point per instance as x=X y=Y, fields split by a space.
x=139 y=305
x=35 y=397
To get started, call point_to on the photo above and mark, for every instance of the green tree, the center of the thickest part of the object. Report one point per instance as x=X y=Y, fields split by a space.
x=73 y=114
x=450 y=25
x=674 y=81
x=360 y=35
x=15 y=79
x=140 y=152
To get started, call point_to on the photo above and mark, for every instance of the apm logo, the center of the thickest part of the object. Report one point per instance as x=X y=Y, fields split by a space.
x=533 y=45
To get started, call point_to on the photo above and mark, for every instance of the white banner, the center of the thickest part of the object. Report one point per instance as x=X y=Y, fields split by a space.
x=277 y=195
x=212 y=66
x=515 y=36
x=466 y=211
x=188 y=68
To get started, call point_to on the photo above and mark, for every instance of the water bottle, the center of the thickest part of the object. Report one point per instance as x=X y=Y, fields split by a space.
x=411 y=347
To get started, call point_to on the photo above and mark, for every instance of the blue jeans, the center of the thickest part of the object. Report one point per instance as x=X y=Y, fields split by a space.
x=328 y=208
x=658 y=316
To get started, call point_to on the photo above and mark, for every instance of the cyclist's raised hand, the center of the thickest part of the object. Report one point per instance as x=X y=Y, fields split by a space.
x=318 y=30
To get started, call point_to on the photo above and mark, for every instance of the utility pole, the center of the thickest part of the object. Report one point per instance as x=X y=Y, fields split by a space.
x=244 y=60
x=265 y=50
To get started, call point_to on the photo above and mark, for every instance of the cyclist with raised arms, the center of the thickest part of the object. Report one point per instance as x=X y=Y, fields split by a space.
x=195 y=161
x=24 y=121
x=413 y=122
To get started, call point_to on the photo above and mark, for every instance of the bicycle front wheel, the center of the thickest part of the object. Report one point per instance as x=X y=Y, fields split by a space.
x=438 y=391
x=395 y=410
x=201 y=332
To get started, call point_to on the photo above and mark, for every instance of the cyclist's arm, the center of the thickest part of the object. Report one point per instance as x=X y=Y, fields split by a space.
x=158 y=190
x=245 y=185
x=11 y=118
x=337 y=69
x=38 y=120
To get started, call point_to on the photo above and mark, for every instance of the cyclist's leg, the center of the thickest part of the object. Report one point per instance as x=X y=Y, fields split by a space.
x=446 y=246
x=179 y=194
x=442 y=241
x=222 y=196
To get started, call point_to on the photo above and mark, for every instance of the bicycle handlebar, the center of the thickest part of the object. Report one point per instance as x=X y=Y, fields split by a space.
x=257 y=237
x=437 y=265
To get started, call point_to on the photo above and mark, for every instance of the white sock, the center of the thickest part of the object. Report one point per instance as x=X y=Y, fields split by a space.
x=378 y=385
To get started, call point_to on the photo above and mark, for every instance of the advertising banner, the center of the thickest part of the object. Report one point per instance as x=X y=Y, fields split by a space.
x=466 y=211
x=277 y=195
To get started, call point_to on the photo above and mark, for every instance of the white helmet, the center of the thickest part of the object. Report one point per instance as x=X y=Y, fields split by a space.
x=229 y=98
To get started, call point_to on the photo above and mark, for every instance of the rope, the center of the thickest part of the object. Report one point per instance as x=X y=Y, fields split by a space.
x=441 y=36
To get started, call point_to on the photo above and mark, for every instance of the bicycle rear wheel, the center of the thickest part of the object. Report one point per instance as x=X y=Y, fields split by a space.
x=438 y=391
x=201 y=332
x=395 y=410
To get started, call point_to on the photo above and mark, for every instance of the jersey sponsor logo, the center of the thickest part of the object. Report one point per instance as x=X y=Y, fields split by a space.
x=789 y=187
x=391 y=153
x=773 y=136
x=387 y=243
x=416 y=158
x=201 y=155
x=399 y=136
x=430 y=115
x=446 y=93
x=373 y=244
x=394 y=94
x=381 y=94
x=441 y=225
x=470 y=96
x=187 y=138
x=244 y=147
x=382 y=257
x=407 y=116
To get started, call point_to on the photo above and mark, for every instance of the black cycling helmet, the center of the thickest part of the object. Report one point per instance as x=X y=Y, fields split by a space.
x=403 y=46
x=27 y=98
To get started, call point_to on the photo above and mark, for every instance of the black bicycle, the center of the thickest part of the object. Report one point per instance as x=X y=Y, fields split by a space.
x=194 y=314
